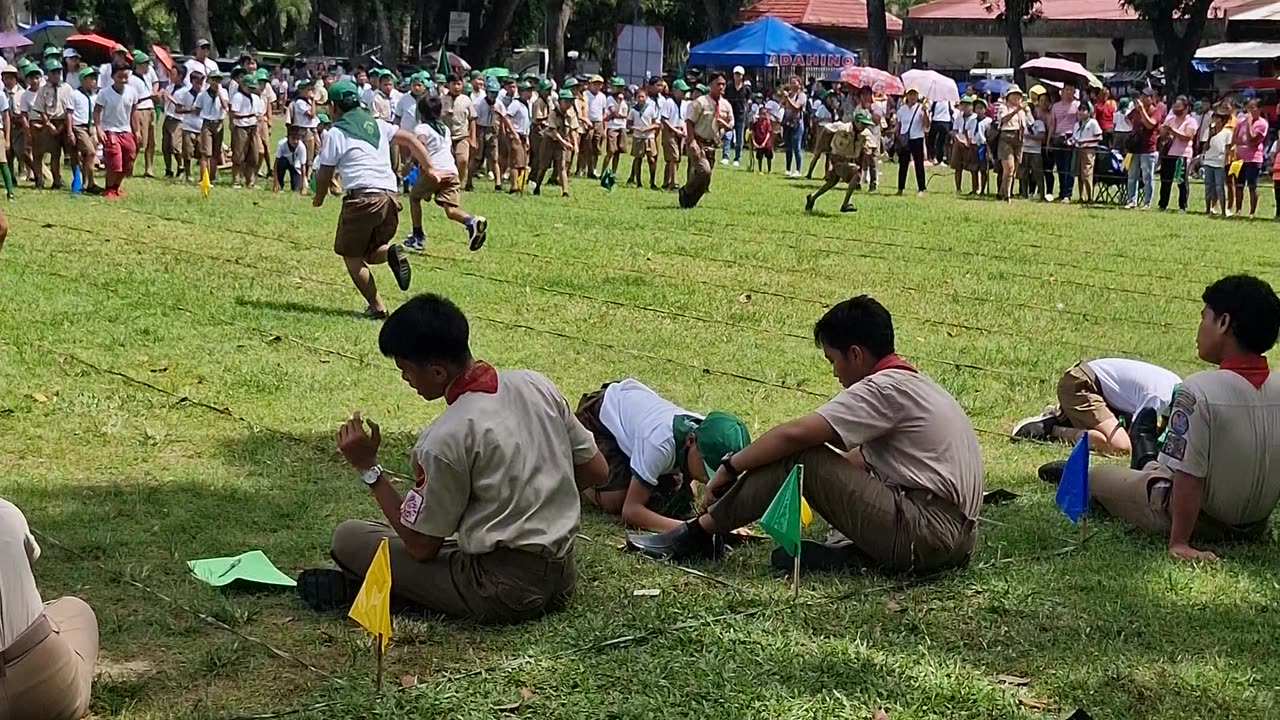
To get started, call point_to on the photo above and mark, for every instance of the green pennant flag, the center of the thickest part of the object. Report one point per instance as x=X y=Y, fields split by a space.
x=442 y=62
x=782 y=520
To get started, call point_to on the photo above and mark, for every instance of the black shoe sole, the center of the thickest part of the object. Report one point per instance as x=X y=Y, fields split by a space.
x=399 y=265
x=482 y=226
x=327 y=589
x=817 y=557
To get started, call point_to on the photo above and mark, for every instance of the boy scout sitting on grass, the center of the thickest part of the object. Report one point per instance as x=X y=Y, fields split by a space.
x=655 y=451
x=500 y=469
x=1217 y=476
x=848 y=143
x=907 y=489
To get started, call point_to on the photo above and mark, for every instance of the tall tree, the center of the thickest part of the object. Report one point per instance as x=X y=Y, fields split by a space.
x=877 y=35
x=1178 y=26
x=488 y=34
x=1014 y=15
x=558 y=14
x=193 y=24
x=722 y=14
x=8 y=18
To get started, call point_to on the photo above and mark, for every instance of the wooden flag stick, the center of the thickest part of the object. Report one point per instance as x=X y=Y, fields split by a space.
x=795 y=573
x=377 y=648
x=1084 y=529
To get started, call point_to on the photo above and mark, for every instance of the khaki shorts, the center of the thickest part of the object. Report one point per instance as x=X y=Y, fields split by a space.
x=1009 y=145
x=86 y=143
x=446 y=192
x=310 y=141
x=644 y=147
x=462 y=152
x=1081 y=399
x=843 y=169
x=367 y=222
x=670 y=146
x=190 y=144
x=146 y=127
x=210 y=140
x=1085 y=159
x=518 y=154
x=244 y=144
x=171 y=134
x=4 y=149
x=616 y=141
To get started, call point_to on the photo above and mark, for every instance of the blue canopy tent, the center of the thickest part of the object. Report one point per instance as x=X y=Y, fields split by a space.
x=770 y=42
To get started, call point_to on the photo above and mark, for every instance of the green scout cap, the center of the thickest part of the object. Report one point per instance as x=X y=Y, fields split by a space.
x=526 y=85
x=569 y=82
x=52 y=50
x=619 y=82
x=88 y=72
x=680 y=85
x=305 y=84
x=544 y=84
x=32 y=70
x=263 y=74
x=566 y=94
x=491 y=85
x=702 y=88
x=322 y=118
x=52 y=64
x=141 y=57
x=250 y=81
x=862 y=117
x=720 y=434
x=473 y=75
x=344 y=94
x=440 y=77
x=966 y=100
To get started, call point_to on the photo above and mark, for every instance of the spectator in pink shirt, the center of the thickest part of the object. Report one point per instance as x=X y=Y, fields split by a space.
x=1180 y=127
x=1062 y=121
x=1251 y=132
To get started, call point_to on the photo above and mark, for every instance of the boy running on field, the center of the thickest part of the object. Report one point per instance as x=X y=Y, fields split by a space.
x=848 y=144
x=438 y=178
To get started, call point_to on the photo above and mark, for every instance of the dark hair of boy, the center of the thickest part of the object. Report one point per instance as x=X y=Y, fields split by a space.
x=860 y=321
x=1252 y=308
x=428 y=330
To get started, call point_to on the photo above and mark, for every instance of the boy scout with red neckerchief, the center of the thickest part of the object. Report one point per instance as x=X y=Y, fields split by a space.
x=500 y=469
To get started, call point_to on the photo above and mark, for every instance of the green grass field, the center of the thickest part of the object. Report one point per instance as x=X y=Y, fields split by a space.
x=172 y=371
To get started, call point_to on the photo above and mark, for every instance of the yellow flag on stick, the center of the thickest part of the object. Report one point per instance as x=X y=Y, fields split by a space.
x=372 y=608
x=205 y=185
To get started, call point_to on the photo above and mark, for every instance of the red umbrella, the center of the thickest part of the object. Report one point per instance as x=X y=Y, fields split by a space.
x=92 y=46
x=163 y=57
x=878 y=80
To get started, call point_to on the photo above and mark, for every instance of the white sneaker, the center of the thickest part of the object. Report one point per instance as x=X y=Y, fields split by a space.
x=724 y=161
x=1048 y=197
x=736 y=163
x=1130 y=206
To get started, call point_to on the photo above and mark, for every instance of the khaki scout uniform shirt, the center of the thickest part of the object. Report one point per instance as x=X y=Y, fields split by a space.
x=912 y=433
x=53 y=102
x=1227 y=432
x=703 y=115
x=499 y=468
x=458 y=114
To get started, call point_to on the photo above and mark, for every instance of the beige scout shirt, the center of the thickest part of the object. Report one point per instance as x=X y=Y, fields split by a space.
x=458 y=114
x=1227 y=432
x=53 y=102
x=499 y=469
x=703 y=114
x=912 y=433
x=19 y=599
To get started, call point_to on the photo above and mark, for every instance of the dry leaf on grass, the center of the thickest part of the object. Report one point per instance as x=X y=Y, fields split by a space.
x=647 y=592
x=526 y=695
x=1034 y=703
x=893 y=606
x=408 y=681
x=1014 y=680
x=744 y=298
x=40 y=398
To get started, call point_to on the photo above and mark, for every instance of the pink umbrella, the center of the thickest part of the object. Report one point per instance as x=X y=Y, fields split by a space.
x=878 y=80
x=932 y=85
x=13 y=40
x=1060 y=70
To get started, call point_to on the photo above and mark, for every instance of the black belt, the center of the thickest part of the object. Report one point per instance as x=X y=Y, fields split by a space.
x=83 y=127
x=364 y=192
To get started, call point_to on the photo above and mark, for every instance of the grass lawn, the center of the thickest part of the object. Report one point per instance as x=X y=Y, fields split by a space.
x=172 y=371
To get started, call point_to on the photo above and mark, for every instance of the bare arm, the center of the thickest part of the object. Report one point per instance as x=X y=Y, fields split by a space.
x=1184 y=507
x=324 y=178
x=422 y=548
x=592 y=473
x=636 y=514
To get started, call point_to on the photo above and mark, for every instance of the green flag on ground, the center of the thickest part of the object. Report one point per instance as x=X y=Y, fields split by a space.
x=782 y=519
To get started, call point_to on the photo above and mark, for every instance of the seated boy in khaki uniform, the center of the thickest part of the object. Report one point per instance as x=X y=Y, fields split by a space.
x=498 y=474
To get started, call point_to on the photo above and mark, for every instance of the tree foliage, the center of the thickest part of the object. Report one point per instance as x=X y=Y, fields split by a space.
x=1177 y=26
x=1014 y=15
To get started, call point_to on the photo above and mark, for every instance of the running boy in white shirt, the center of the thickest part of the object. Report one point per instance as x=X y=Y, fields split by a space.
x=438 y=178
x=116 y=123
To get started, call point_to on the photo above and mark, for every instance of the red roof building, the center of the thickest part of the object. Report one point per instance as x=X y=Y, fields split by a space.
x=843 y=22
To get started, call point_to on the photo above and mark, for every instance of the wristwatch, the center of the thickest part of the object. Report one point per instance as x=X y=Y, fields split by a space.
x=371 y=475
x=727 y=463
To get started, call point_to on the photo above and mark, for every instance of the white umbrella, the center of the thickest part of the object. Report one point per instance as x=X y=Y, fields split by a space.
x=932 y=85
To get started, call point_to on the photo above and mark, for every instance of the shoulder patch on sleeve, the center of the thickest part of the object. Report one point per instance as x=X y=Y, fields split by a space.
x=1175 y=447
x=1179 y=423
x=1185 y=400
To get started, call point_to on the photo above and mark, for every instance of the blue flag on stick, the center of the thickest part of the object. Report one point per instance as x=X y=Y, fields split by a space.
x=1073 y=489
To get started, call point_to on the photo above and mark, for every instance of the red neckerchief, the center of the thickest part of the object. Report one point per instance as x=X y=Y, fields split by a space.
x=480 y=377
x=892 y=362
x=1249 y=366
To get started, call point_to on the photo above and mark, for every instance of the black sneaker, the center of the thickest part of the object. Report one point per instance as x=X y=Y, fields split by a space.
x=477 y=232
x=327 y=589
x=848 y=209
x=809 y=200
x=1144 y=439
x=819 y=556
x=399 y=265
x=1052 y=472
x=1037 y=427
x=677 y=544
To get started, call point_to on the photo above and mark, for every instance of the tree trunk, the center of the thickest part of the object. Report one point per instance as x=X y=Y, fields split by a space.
x=386 y=38
x=1177 y=49
x=558 y=13
x=1013 y=38
x=8 y=18
x=716 y=19
x=483 y=44
x=198 y=27
x=877 y=35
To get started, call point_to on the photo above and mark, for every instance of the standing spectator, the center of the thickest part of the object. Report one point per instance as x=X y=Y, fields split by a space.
x=1251 y=132
x=1086 y=136
x=793 y=109
x=1181 y=128
x=1213 y=160
x=1145 y=117
x=1123 y=126
x=1275 y=173
x=738 y=93
x=1104 y=111
x=940 y=116
x=1033 y=139
x=1013 y=123
x=824 y=112
x=762 y=141
x=912 y=125
x=963 y=152
x=1062 y=120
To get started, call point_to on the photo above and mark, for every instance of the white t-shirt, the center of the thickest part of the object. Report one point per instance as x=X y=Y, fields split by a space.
x=966 y=127
x=210 y=106
x=142 y=84
x=439 y=147
x=1215 y=153
x=669 y=111
x=1089 y=131
x=296 y=156
x=1131 y=386
x=484 y=113
x=774 y=108
x=4 y=106
x=362 y=166
x=185 y=100
x=20 y=603
x=117 y=108
x=596 y=103
x=1123 y=123
x=640 y=420
x=27 y=103
x=940 y=110
x=204 y=68
x=246 y=103
x=1031 y=142
x=621 y=110
x=406 y=112
x=911 y=121
x=519 y=115
x=299 y=112
x=81 y=108
x=644 y=121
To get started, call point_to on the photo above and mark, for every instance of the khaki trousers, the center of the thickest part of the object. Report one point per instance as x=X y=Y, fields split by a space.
x=47 y=673
x=503 y=586
x=1141 y=498
x=701 y=163
x=894 y=528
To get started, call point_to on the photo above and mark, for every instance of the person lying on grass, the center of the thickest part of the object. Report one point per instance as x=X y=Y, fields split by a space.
x=500 y=470
x=655 y=450
x=905 y=492
x=1217 y=475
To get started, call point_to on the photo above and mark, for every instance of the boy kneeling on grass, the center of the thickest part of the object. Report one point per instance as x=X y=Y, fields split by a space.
x=500 y=469
x=438 y=178
x=655 y=451
x=849 y=142
x=291 y=158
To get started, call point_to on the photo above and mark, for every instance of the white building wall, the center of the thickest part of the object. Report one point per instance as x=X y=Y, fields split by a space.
x=947 y=51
